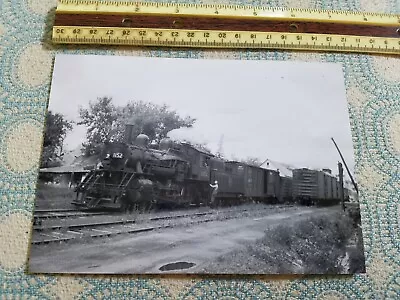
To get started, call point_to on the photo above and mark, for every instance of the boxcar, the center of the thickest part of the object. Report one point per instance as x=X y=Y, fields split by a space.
x=305 y=185
x=285 y=189
x=272 y=186
x=314 y=187
x=230 y=179
x=253 y=181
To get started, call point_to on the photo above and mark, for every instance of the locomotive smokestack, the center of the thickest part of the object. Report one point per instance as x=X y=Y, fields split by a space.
x=129 y=132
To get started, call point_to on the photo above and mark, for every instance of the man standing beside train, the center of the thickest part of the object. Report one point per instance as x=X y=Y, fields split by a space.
x=214 y=192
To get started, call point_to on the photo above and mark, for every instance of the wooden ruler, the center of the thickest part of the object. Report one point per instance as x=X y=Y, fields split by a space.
x=224 y=26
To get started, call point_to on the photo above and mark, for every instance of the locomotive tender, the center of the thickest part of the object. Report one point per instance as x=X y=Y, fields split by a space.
x=135 y=174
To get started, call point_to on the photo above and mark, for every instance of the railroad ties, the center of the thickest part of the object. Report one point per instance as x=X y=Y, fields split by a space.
x=63 y=213
x=91 y=229
x=68 y=232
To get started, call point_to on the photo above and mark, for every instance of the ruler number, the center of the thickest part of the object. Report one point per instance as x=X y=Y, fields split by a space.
x=329 y=39
x=60 y=30
x=253 y=36
x=222 y=35
x=158 y=33
x=237 y=35
x=343 y=39
x=76 y=31
x=126 y=32
x=110 y=31
x=142 y=33
x=93 y=31
x=371 y=41
x=190 y=34
x=314 y=38
x=268 y=37
x=283 y=36
x=206 y=34
x=299 y=37
x=175 y=34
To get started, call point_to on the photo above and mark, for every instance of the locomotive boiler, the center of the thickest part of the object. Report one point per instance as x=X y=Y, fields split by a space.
x=135 y=174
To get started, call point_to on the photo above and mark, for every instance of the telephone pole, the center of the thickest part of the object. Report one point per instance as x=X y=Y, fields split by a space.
x=341 y=186
x=347 y=169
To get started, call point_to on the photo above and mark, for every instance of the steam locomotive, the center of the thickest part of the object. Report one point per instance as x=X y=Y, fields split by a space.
x=134 y=174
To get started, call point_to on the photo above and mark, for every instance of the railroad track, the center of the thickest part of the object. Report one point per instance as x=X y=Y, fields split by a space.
x=50 y=214
x=65 y=233
x=67 y=214
x=56 y=210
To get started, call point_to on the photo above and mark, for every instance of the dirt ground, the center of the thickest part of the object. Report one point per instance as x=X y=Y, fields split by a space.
x=224 y=245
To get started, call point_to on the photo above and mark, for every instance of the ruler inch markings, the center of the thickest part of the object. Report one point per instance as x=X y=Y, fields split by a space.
x=191 y=22
x=223 y=11
x=224 y=39
x=224 y=26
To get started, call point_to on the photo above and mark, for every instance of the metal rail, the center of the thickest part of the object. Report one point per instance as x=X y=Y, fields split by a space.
x=54 y=235
x=74 y=214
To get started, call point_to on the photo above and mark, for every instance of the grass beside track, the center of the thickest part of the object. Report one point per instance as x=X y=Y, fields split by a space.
x=54 y=197
x=316 y=245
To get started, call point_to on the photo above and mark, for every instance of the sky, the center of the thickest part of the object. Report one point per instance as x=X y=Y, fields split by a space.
x=285 y=111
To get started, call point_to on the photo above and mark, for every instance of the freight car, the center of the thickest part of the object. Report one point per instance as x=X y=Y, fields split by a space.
x=240 y=182
x=285 y=189
x=230 y=178
x=315 y=187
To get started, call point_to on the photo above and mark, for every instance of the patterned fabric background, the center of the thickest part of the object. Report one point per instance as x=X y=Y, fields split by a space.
x=373 y=89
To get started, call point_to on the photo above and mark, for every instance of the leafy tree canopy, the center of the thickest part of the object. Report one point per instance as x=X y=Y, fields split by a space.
x=252 y=161
x=106 y=122
x=55 y=131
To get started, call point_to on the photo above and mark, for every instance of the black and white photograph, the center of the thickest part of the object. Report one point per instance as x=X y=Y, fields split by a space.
x=196 y=166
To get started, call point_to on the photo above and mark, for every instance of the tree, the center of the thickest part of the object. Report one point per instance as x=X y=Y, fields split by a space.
x=153 y=120
x=106 y=122
x=252 y=161
x=55 y=131
x=101 y=121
